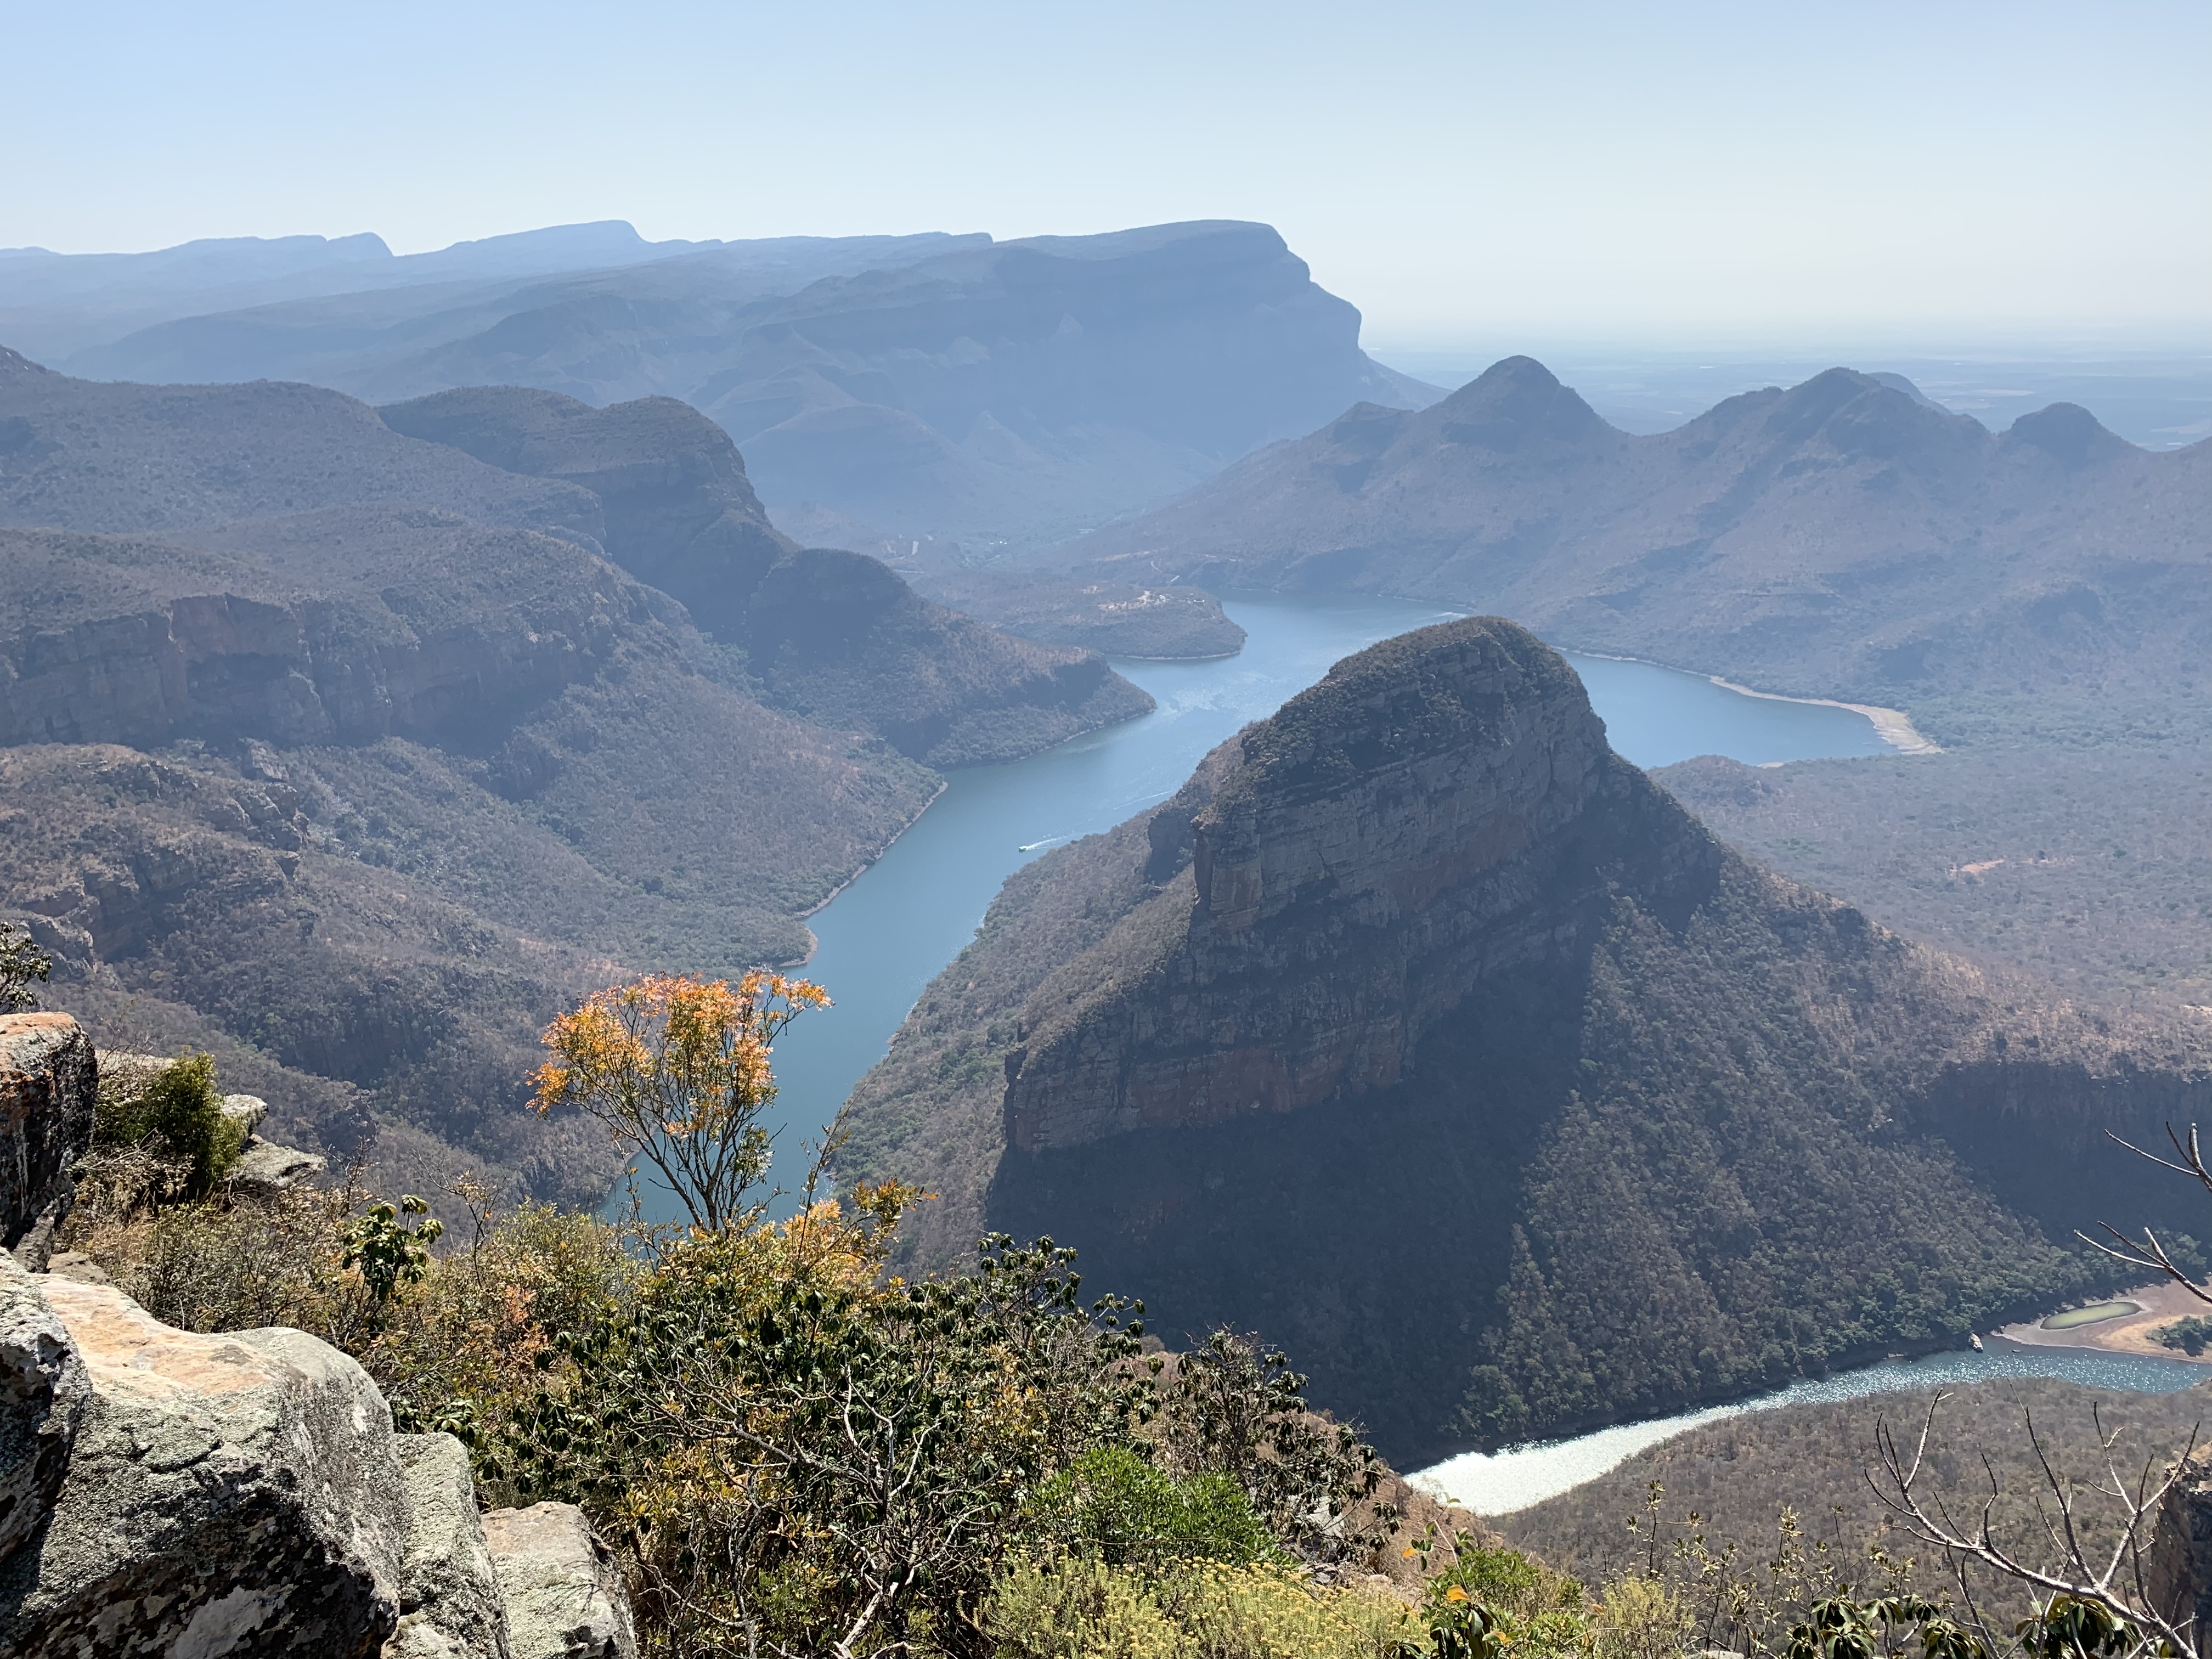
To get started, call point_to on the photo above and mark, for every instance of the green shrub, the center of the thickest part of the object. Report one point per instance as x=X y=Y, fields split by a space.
x=177 y=1110
x=1536 y=1610
x=21 y=965
x=1086 y=1609
x=2190 y=1335
x=1113 y=1505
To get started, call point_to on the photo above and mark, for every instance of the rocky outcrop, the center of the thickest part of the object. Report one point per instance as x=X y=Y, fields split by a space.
x=244 y=1494
x=43 y=1387
x=2178 y=1565
x=451 y=1605
x=564 y=1594
x=226 y=1494
x=47 y=1085
x=1383 y=844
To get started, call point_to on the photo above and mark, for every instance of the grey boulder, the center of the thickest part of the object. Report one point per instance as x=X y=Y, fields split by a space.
x=565 y=1597
x=264 y=1168
x=47 y=1085
x=450 y=1604
x=43 y=1387
x=233 y=1494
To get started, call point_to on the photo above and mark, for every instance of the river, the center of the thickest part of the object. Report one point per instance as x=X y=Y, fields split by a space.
x=888 y=934
x=1513 y=1479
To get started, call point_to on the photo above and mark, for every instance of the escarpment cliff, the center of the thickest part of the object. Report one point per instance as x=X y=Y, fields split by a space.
x=412 y=622
x=1422 y=1033
x=351 y=755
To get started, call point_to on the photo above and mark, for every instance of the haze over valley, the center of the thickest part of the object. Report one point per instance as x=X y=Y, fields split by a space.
x=926 y=903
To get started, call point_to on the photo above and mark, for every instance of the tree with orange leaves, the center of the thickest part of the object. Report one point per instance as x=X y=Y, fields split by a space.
x=677 y=1069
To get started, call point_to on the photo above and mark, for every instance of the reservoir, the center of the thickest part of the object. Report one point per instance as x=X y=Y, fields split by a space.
x=889 y=933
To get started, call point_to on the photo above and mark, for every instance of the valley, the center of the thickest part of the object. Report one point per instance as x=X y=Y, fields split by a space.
x=882 y=941
x=1035 y=833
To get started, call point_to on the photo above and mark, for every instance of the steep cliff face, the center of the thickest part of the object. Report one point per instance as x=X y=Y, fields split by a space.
x=1423 y=1034
x=407 y=622
x=1447 y=812
x=679 y=510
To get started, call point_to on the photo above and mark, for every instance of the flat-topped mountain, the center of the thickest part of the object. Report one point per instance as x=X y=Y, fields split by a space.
x=832 y=636
x=1423 y=1032
x=1024 y=389
x=75 y=307
x=1840 y=539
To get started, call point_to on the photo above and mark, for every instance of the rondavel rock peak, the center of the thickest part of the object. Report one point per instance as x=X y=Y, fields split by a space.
x=1422 y=1033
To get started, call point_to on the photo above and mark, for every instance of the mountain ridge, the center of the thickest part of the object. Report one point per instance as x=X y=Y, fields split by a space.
x=996 y=390
x=1837 y=538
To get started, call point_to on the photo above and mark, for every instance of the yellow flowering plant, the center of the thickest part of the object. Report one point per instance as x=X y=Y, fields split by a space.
x=677 y=1070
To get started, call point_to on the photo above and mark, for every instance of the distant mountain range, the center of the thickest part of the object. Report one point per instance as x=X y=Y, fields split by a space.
x=1422 y=1034
x=1844 y=538
x=949 y=384
x=350 y=745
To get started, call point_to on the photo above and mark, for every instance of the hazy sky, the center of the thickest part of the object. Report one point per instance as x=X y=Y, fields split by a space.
x=1563 y=169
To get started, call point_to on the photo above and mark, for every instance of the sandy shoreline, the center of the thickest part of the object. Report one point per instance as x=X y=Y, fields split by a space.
x=1892 y=725
x=2160 y=1305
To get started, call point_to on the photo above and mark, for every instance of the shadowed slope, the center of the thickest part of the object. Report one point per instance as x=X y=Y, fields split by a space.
x=1426 y=1035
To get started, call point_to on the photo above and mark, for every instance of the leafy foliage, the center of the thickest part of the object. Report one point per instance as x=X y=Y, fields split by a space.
x=1529 y=1608
x=1112 y=1504
x=177 y=1110
x=22 y=964
x=2190 y=1334
x=388 y=1252
x=677 y=1068
x=1086 y=1609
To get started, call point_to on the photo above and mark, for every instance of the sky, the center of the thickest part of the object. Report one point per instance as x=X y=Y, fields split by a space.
x=1760 y=173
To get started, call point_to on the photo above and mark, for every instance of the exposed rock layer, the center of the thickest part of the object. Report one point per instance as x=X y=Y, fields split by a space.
x=47 y=1084
x=1423 y=1034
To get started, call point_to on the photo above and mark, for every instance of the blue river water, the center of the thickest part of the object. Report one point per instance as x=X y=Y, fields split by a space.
x=1499 y=1483
x=889 y=933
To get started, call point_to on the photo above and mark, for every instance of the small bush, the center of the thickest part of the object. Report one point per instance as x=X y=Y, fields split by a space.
x=1113 y=1505
x=1641 y=1619
x=2190 y=1335
x=1536 y=1610
x=177 y=1110
x=1086 y=1609
x=23 y=965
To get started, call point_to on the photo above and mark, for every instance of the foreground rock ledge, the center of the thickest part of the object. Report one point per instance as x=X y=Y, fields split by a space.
x=234 y=1494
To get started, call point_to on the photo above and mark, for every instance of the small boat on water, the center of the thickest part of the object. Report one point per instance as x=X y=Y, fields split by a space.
x=1974 y=1341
